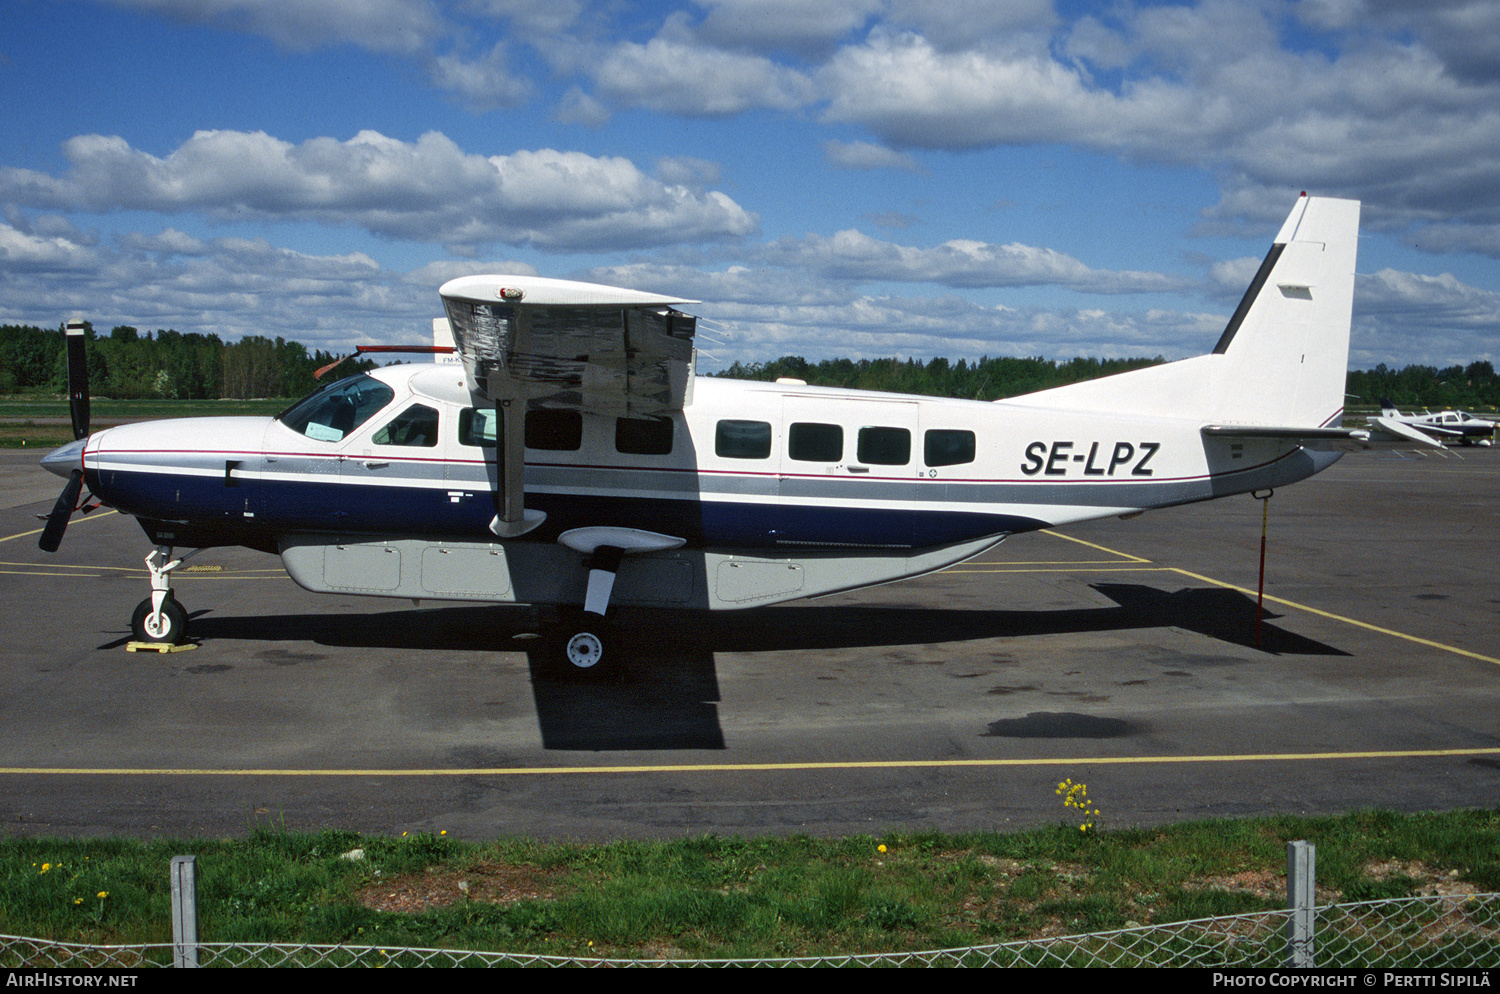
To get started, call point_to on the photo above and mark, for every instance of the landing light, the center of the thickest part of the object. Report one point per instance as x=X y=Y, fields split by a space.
x=510 y=293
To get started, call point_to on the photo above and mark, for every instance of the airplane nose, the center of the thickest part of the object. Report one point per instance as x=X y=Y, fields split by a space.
x=64 y=460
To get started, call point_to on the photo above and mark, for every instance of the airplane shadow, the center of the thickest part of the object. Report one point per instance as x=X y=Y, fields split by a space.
x=667 y=696
x=1224 y=615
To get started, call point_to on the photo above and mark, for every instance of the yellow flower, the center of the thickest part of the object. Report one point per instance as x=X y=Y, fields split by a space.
x=46 y=867
x=102 y=894
x=882 y=847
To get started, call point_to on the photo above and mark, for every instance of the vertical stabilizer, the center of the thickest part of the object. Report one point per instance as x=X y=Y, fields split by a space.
x=1286 y=349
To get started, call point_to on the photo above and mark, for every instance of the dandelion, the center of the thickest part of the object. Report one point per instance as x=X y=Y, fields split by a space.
x=882 y=847
x=45 y=866
x=102 y=894
x=1076 y=796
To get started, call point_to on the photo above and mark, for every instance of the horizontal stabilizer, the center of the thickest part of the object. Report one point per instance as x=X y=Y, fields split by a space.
x=1381 y=434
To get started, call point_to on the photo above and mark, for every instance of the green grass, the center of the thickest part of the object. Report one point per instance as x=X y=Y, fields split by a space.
x=715 y=897
x=19 y=416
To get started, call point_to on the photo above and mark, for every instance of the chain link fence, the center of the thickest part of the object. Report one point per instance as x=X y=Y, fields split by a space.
x=1458 y=932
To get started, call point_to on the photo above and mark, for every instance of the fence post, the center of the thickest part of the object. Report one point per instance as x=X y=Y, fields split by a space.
x=184 y=912
x=1301 y=880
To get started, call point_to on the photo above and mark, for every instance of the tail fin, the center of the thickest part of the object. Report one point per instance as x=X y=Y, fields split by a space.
x=1287 y=345
x=1282 y=359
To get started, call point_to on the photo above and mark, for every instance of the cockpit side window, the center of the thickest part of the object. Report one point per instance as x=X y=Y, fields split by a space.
x=416 y=426
x=330 y=414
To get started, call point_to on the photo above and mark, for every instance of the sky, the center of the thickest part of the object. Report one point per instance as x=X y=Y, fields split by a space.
x=829 y=178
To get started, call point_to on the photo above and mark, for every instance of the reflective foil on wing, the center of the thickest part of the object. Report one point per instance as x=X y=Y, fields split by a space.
x=635 y=361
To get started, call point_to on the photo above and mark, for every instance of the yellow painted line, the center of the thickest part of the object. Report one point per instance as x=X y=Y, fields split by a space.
x=1348 y=621
x=185 y=573
x=1091 y=545
x=62 y=566
x=1123 y=568
x=37 y=531
x=1044 y=562
x=893 y=764
x=1429 y=643
x=1015 y=566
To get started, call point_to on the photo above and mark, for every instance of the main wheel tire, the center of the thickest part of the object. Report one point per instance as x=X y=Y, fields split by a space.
x=584 y=650
x=585 y=646
x=170 y=628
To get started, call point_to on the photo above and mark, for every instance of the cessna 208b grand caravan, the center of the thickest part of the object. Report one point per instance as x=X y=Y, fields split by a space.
x=572 y=458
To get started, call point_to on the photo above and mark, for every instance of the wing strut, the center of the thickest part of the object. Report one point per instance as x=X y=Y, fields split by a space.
x=511 y=516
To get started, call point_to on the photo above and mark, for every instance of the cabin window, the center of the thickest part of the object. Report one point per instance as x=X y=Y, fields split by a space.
x=884 y=446
x=417 y=426
x=330 y=414
x=478 y=426
x=743 y=439
x=556 y=431
x=643 y=436
x=947 y=447
x=807 y=442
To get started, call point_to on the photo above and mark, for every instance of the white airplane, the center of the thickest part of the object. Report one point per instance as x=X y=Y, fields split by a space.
x=573 y=459
x=1445 y=426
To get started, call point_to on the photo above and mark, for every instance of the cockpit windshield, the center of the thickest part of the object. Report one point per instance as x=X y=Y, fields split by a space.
x=330 y=414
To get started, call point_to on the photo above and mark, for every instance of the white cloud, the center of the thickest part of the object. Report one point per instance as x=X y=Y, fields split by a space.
x=301 y=25
x=1430 y=320
x=868 y=155
x=675 y=75
x=1209 y=86
x=960 y=263
x=31 y=252
x=426 y=191
x=485 y=83
x=807 y=27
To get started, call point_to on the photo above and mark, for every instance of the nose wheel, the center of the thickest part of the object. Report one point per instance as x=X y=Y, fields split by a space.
x=169 y=624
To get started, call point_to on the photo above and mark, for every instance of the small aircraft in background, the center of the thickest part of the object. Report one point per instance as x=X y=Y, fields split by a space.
x=1445 y=426
x=572 y=458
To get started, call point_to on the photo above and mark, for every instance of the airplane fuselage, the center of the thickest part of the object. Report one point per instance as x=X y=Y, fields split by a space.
x=764 y=472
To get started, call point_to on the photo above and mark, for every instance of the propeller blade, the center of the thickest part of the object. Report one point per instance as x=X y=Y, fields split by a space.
x=57 y=521
x=78 y=380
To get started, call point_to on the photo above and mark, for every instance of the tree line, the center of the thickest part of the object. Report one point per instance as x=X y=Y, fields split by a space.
x=1473 y=386
x=129 y=364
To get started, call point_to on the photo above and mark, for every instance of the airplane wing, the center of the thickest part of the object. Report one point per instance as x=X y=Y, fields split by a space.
x=1383 y=433
x=1431 y=428
x=583 y=346
x=528 y=341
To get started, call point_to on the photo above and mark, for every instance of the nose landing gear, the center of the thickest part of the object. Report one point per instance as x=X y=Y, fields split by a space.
x=160 y=618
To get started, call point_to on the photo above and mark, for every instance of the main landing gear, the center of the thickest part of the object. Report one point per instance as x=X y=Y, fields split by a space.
x=160 y=618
